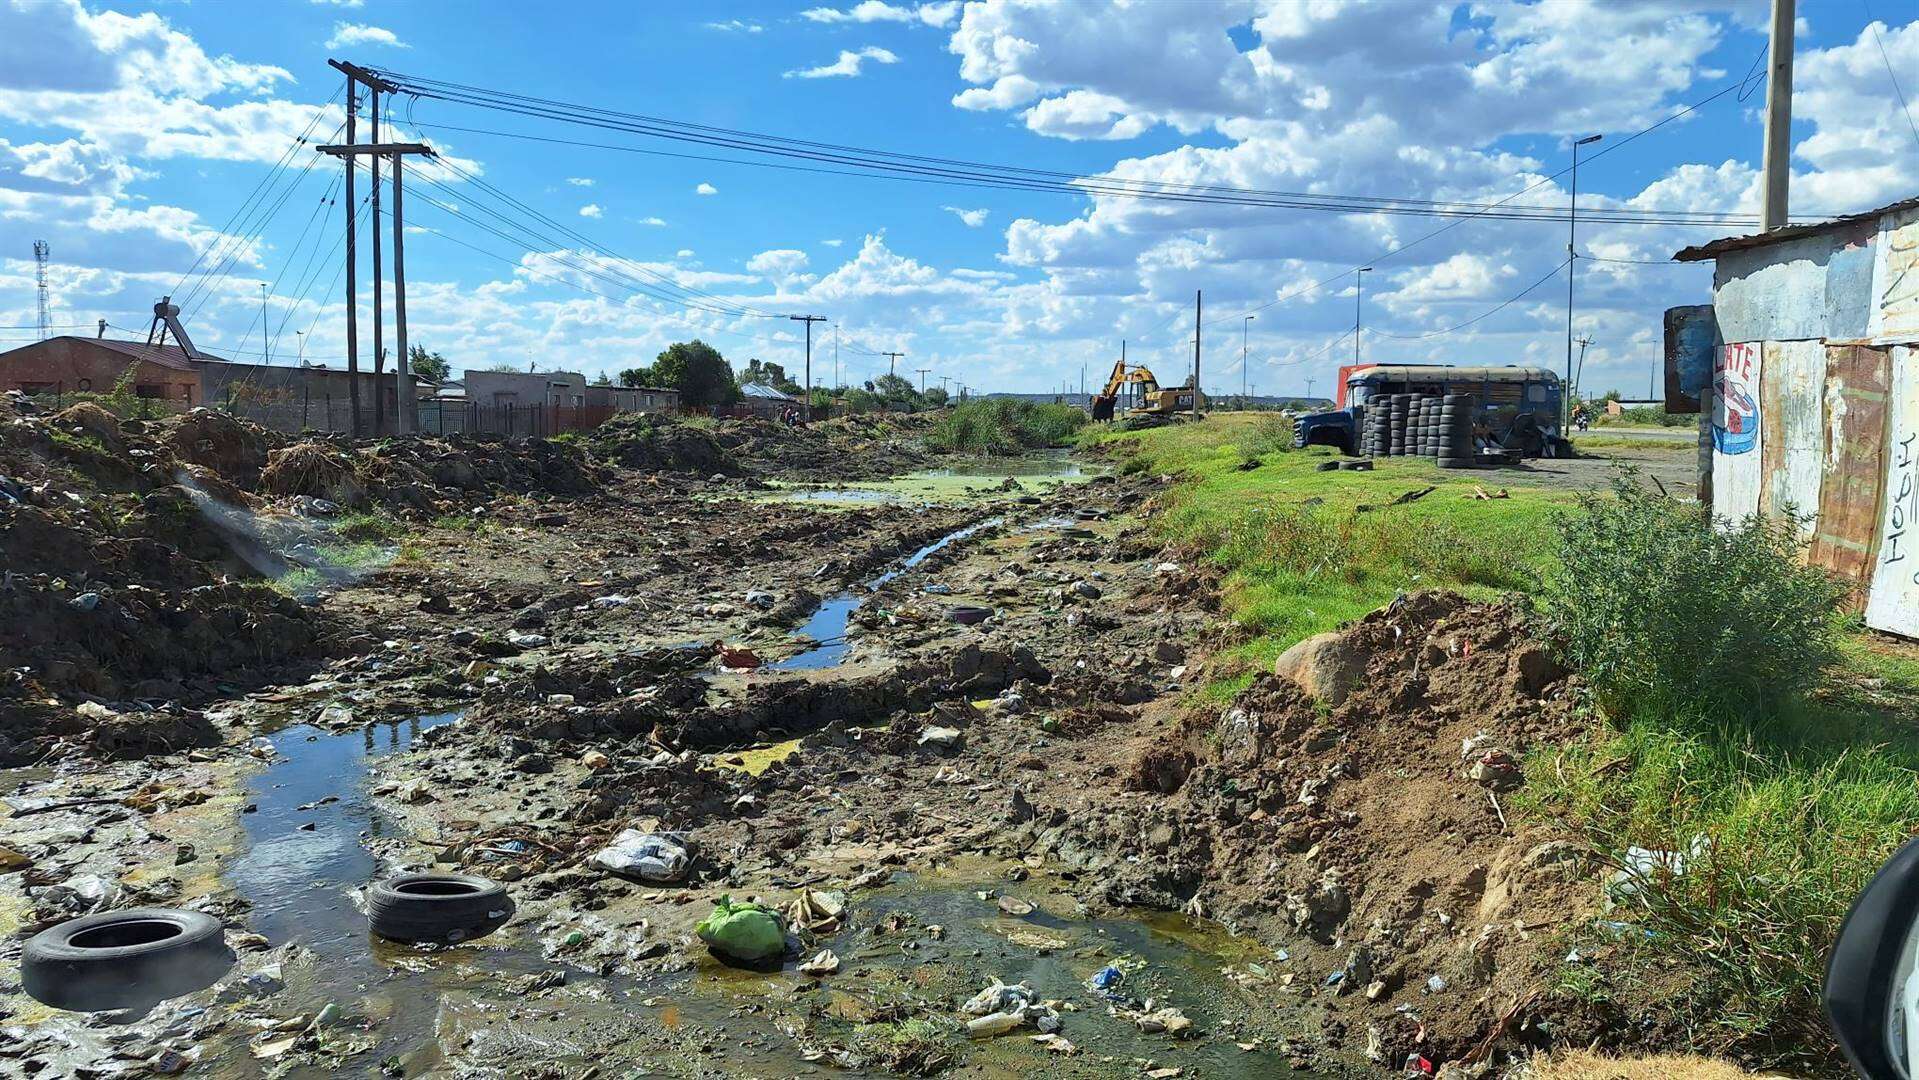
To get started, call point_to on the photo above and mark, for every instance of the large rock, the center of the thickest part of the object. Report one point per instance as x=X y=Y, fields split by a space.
x=1325 y=666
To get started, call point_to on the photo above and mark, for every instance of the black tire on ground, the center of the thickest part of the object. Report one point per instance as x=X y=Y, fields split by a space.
x=1458 y=463
x=437 y=908
x=124 y=959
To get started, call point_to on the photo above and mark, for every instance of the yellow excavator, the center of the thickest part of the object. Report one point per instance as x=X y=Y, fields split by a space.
x=1148 y=397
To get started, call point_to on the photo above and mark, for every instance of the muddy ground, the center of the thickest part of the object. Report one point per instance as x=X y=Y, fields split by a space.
x=533 y=668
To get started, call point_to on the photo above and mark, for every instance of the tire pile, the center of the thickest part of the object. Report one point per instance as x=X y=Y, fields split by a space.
x=1422 y=425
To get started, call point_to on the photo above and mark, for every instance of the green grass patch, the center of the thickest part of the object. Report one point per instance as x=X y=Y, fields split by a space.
x=368 y=527
x=1002 y=426
x=1788 y=776
x=1305 y=550
x=474 y=524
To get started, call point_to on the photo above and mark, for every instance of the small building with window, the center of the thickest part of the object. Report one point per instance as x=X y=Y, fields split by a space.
x=65 y=365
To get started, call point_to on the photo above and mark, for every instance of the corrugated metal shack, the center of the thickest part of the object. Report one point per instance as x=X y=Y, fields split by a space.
x=1814 y=392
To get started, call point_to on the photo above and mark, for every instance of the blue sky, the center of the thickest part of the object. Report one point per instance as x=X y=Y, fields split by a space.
x=130 y=133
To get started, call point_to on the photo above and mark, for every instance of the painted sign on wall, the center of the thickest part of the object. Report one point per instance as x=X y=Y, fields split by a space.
x=1736 y=469
x=1735 y=384
x=1893 y=602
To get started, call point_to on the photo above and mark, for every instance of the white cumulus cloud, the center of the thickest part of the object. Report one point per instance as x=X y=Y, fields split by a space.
x=848 y=65
x=973 y=218
x=706 y=189
x=346 y=35
x=591 y=210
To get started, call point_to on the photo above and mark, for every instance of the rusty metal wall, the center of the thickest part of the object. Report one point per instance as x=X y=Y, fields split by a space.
x=1793 y=428
x=1892 y=601
x=1895 y=280
x=1858 y=381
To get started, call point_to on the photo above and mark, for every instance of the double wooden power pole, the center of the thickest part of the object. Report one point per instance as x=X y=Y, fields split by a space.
x=404 y=406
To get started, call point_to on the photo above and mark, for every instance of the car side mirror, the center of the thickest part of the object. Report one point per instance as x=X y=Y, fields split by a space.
x=1871 y=994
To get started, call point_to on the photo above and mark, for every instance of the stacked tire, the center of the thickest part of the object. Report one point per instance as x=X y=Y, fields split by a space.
x=1379 y=426
x=1455 y=433
x=1402 y=405
x=1428 y=425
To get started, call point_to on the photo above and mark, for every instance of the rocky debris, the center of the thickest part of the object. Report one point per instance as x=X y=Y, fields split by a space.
x=1325 y=667
x=656 y=443
x=1333 y=807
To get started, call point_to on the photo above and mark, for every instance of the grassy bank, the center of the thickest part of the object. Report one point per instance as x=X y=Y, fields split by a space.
x=1305 y=550
x=1785 y=804
x=1005 y=426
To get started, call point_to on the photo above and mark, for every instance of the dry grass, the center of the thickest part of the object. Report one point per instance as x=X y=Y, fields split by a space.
x=1580 y=1065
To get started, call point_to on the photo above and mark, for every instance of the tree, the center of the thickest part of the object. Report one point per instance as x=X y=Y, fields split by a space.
x=770 y=374
x=935 y=396
x=698 y=372
x=428 y=365
x=896 y=388
x=639 y=376
x=603 y=380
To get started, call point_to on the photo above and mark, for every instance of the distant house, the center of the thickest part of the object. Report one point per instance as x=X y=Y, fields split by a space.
x=519 y=389
x=759 y=399
x=650 y=399
x=68 y=365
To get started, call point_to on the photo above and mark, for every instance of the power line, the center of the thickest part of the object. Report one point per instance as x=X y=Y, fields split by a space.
x=1502 y=305
x=285 y=156
x=1873 y=25
x=1450 y=225
x=971 y=173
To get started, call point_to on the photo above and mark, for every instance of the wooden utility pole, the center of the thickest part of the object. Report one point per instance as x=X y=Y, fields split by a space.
x=404 y=397
x=1197 y=302
x=809 y=320
x=892 y=359
x=379 y=285
x=922 y=372
x=352 y=273
x=1777 y=165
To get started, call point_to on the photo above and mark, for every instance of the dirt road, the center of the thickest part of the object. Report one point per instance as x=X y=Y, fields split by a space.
x=955 y=743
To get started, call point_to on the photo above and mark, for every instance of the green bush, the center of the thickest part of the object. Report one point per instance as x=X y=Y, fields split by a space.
x=1666 y=610
x=1005 y=426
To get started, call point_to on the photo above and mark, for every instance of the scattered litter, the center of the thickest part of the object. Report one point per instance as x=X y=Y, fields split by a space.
x=647 y=856
x=823 y=963
x=743 y=931
x=1000 y=1008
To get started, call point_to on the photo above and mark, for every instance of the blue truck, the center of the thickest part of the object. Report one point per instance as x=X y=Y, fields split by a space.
x=1517 y=407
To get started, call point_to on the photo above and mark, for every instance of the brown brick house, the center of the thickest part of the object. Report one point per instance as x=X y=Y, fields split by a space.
x=66 y=365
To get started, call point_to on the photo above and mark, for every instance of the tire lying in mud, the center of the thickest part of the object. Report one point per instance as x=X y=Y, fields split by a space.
x=968 y=614
x=124 y=959
x=439 y=909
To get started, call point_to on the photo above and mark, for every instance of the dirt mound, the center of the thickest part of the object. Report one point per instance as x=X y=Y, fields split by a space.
x=660 y=444
x=315 y=469
x=1377 y=835
x=849 y=448
x=235 y=449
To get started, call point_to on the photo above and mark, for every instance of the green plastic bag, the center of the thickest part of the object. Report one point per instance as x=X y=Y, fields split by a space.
x=743 y=931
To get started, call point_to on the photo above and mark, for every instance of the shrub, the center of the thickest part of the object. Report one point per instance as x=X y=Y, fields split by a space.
x=1005 y=426
x=1667 y=610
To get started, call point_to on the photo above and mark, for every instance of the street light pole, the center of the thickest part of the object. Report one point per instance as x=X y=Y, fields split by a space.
x=1572 y=265
x=266 y=350
x=1359 y=292
x=1243 y=328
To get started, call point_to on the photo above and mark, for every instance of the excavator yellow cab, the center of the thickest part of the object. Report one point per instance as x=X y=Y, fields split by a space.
x=1148 y=396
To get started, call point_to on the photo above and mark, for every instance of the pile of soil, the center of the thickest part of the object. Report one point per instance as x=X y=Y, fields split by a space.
x=138 y=553
x=654 y=443
x=848 y=448
x=1371 y=835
